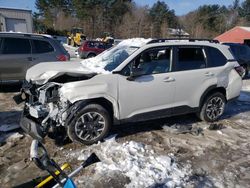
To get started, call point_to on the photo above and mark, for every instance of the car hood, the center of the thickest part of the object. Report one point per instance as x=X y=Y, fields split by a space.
x=43 y=72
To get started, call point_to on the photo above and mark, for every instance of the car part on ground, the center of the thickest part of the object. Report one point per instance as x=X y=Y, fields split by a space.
x=133 y=81
x=20 y=51
x=184 y=129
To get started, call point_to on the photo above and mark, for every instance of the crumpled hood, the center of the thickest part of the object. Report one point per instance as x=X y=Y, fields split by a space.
x=43 y=72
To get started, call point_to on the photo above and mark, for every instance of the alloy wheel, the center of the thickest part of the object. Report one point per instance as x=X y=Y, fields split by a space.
x=89 y=126
x=215 y=108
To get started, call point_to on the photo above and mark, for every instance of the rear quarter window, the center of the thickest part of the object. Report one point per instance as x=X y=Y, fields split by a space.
x=41 y=46
x=215 y=57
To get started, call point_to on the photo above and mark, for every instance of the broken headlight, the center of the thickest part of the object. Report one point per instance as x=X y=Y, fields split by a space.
x=49 y=93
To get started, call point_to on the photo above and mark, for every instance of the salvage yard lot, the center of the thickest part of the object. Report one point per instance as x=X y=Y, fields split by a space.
x=179 y=151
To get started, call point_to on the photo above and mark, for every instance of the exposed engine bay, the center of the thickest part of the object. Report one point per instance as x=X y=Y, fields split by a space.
x=46 y=110
x=44 y=105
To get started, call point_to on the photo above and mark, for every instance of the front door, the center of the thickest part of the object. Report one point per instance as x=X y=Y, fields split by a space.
x=151 y=93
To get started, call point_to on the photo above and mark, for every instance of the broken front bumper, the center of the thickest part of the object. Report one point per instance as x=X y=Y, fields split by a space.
x=32 y=128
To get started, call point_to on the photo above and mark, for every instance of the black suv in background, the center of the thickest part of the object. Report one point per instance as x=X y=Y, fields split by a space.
x=242 y=54
x=20 y=51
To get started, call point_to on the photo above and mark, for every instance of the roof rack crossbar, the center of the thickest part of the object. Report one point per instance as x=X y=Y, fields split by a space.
x=188 y=39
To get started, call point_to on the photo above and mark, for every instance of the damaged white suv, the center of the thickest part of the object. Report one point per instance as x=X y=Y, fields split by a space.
x=137 y=80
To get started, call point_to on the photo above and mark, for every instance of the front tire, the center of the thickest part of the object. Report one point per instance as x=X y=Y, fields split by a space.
x=213 y=107
x=90 y=125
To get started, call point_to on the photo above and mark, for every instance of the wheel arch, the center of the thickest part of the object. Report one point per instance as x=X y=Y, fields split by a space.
x=91 y=53
x=105 y=103
x=209 y=91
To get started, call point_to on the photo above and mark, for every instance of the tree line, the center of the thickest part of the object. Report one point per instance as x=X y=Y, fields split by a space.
x=126 y=19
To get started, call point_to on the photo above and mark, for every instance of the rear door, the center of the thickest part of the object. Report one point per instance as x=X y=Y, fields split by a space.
x=14 y=59
x=197 y=68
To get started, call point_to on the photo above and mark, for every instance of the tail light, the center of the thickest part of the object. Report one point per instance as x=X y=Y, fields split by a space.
x=240 y=70
x=62 y=57
x=81 y=48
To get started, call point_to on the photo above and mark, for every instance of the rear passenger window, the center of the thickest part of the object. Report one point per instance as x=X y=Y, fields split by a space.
x=16 y=46
x=41 y=46
x=92 y=44
x=101 y=45
x=216 y=58
x=190 y=59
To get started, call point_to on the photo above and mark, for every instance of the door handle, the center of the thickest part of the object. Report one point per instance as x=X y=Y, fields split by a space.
x=169 y=79
x=209 y=74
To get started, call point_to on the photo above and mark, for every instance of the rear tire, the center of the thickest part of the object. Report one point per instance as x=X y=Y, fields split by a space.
x=213 y=107
x=91 y=55
x=90 y=125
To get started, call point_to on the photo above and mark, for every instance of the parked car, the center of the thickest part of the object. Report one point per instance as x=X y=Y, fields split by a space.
x=137 y=80
x=19 y=51
x=92 y=48
x=242 y=55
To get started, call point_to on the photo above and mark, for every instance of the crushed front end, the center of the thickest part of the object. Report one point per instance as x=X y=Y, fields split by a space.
x=45 y=111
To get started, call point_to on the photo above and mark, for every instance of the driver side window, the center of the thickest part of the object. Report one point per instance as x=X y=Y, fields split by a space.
x=152 y=61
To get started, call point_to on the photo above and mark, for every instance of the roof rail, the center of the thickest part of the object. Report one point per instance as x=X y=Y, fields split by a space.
x=176 y=39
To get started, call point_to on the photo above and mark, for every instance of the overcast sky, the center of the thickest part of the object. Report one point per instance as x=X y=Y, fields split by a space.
x=180 y=6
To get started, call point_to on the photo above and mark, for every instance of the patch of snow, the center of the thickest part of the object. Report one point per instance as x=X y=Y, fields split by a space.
x=142 y=165
x=219 y=132
x=8 y=127
x=11 y=137
x=138 y=42
x=14 y=137
x=246 y=88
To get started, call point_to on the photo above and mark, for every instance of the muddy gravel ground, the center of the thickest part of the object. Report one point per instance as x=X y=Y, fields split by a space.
x=218 y=155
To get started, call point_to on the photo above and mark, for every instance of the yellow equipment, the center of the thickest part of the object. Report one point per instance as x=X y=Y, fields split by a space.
x=48 y=179
x=76 y=37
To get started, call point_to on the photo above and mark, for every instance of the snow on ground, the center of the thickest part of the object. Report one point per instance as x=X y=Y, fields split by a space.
x=142 y=155
x=138 y=162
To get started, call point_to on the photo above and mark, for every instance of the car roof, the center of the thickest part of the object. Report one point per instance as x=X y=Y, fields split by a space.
x=225 y=49
x=20 y=34
x=95 y=41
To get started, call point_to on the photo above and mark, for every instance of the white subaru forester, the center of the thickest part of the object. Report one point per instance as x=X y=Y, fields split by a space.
x=137 y=80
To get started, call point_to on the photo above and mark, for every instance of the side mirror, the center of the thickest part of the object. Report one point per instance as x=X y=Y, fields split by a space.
x=136 y=72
